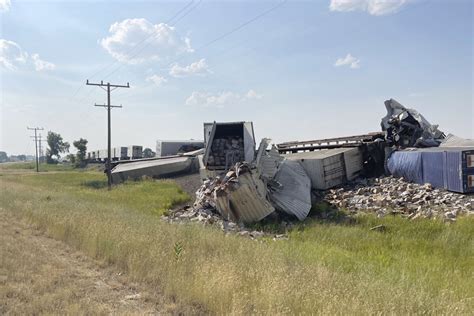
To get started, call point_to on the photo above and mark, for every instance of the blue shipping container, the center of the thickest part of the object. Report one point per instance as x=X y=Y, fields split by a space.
x=448 y=168
x=434 y=170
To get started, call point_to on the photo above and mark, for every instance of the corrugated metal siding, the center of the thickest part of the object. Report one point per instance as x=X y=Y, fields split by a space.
x=453 y=171
x=354 y=163
x=294 y=195
x=433 y=168
x=243 y=202
x=325 y=168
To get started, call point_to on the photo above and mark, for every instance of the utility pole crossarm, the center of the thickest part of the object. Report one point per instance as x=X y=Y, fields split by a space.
x=106 y=106
x=102 y=84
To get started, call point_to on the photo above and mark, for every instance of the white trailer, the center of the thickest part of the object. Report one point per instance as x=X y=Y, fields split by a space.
x=134 y=152
x=119 y=153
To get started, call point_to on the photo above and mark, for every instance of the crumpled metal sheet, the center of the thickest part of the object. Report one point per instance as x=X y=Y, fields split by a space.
x=239 y=196
x=292 y=193
x=408 y=128
x=267 y=161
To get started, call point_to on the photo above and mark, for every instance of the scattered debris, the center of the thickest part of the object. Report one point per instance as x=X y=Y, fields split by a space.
x=208 y=216
x=389 y=195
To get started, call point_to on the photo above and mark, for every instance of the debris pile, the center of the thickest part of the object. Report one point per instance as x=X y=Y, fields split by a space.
x=389 y=195
x=239 y=195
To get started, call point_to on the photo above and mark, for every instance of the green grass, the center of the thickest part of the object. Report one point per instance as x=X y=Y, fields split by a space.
x=31 y=165
x=332 y=267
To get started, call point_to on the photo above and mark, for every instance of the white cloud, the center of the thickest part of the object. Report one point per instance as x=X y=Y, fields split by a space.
x=157 y=80
x=41 y=65
x=220 y=99
x=5 y=5
x=349 y=60
x=157 y=41
x=253 y=95
x=373 y=7
x=197 y=68
x=13 y=57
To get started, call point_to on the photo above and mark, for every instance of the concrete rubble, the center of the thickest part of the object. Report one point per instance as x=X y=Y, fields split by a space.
x=389 y=195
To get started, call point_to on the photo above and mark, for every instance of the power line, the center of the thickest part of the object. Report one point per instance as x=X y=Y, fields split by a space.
x=243 y=24
x=220 y=37
x=109 y=136
x=147 y=44
x=139 y=43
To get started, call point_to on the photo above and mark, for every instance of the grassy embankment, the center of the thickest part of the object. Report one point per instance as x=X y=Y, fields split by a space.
x=421 y=266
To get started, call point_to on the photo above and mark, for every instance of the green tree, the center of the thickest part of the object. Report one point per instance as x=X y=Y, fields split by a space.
x=3 y=156
x=148 y=153
x=81 y=146
x=56 y=146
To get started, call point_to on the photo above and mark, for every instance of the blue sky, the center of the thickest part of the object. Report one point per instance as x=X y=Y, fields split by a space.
x=304 y=70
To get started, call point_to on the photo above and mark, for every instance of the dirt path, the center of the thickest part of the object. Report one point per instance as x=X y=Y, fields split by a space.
x=40 y=275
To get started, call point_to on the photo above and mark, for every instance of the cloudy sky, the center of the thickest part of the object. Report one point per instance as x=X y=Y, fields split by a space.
x=297 y=69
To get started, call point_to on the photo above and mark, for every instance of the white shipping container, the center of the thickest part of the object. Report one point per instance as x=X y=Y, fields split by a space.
x=330 y=167
x=134 y=152
x=166 y=148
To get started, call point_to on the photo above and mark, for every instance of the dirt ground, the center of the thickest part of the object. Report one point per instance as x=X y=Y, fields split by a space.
x=39 y=275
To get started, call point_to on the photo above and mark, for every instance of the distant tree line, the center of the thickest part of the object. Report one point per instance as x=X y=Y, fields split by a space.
x=5 y=158
x=57 y=147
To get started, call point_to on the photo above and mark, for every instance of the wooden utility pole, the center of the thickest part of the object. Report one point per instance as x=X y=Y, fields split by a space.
x=36 y=144
x=109 y=137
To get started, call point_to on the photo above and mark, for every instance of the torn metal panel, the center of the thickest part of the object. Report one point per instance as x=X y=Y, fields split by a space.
x=408 y=128
x=242 y=202
x=293 y=194
x=267 y=161
x=153 y=168
x=239 y=195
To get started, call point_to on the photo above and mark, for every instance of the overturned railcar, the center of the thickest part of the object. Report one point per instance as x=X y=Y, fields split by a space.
x=447 y=168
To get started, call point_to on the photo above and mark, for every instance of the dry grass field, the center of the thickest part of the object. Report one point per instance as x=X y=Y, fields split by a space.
x=413 y=267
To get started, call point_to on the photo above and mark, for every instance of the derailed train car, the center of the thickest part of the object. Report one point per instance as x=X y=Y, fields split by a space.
x=449 y=168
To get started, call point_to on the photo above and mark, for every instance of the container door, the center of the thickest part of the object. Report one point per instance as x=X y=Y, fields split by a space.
x=207 y=132
x=249 y=142
x=208 y=142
